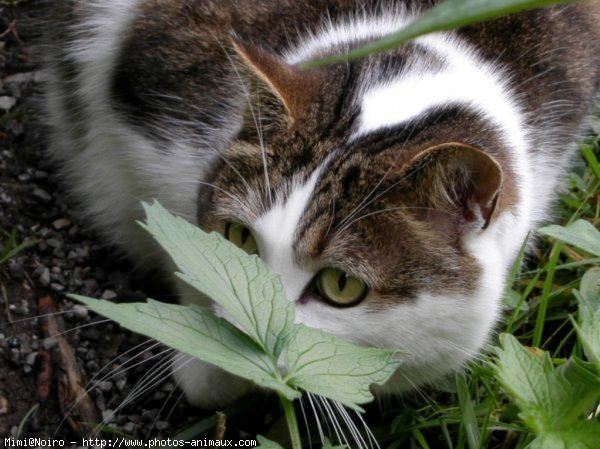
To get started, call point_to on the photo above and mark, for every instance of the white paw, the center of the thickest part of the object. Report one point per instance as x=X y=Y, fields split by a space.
x=207 y=386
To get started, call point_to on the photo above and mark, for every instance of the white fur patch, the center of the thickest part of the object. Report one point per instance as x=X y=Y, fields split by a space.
x=275 y=232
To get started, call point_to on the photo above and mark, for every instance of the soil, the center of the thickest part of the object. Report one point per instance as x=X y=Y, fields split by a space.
x=63 y=256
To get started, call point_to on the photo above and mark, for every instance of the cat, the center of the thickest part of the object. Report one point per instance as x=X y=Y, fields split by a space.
x=391 y=193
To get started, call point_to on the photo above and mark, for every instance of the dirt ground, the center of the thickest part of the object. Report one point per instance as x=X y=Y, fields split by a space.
x=39 y=376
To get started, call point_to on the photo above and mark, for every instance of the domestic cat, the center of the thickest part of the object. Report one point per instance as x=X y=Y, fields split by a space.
x=392 y=193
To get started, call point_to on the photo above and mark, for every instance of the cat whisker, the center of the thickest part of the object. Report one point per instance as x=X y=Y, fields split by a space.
x=390 y=209
x=334 y=421
x=121 y=369
x=356 y=435
x=95 y=323
x=317 y=419
x=368 y=431
x=166 y=401
x=149 y=380
x=305 y=419
x=44 y=315
x=257 y=124
x=89 y=386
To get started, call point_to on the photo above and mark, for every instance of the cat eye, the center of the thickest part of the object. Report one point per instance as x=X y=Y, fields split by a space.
x=340 y=288
x=242 y=237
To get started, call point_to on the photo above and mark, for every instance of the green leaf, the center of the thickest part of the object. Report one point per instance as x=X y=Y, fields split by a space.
x=328 y=445
x=261 y=325
x=589 y=314
x=241 y=284
x=590 y=291
x=550 y=400
x=323 y=364
x=445 y=16
x=580 y=233
x=583 y=435
x=264 y=443
x=198 y=333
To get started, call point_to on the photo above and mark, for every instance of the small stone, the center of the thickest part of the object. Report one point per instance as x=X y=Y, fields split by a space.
x=108 y=416
x=92 y=366
x=109 y=294
x=49 y=343
x=81 y=312
x=31 y=358
x=5 y=198
x=54 y=243
x=42 y=195
x=24 y=177
x=45 y=277
x=45 y=232
x=3 y=405
x=57 y=287
x=61 y=223
x=14 y=356
x=149 y=415
x=14 y=342
x=121 y=384
x=162 y=425
x=6 y=103
x=106 y=386
x=16 y=269
x=20 y=309
x=159 y=395
x=129 y=428
x=39 y=174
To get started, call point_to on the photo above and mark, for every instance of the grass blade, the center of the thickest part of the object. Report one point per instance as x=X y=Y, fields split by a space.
x=445 y=16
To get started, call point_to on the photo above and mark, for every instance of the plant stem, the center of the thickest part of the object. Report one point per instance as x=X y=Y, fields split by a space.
x=290 y=416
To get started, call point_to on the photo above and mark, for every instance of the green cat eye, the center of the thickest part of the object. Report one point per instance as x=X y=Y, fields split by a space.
x=241 y=236
x=340 y=288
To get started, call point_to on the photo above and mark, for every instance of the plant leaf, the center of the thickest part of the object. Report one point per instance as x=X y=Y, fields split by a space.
x=197 y=332
x=583 y=435
x=242 y=285
x=550 y=400
x=445 y=16
x=323 y=364
x=588 y=329
x=265 y=443
x=580 y=233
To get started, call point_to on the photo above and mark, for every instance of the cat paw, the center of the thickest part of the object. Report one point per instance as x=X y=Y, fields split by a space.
x=207 y=386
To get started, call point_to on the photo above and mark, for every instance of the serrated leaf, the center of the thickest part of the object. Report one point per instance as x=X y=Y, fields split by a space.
x=580 y=233
x=323 y=364
x=197 y=332
x=550 y=400
x=242 y=285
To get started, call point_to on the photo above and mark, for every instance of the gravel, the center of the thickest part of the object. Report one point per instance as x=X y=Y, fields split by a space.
x=62 y=256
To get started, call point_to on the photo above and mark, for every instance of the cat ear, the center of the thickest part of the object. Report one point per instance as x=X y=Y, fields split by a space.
x=294 y=87
x=458 y=179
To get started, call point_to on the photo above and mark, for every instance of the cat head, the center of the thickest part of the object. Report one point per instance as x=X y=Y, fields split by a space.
x=383 y=236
